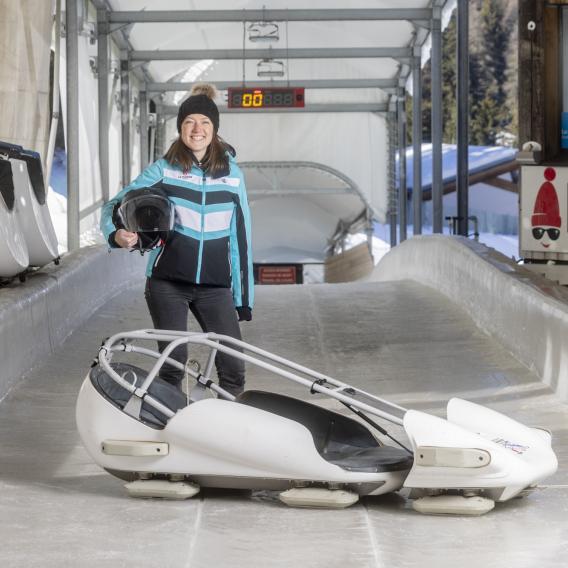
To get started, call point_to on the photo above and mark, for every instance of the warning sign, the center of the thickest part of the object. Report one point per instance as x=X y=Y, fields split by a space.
x=277 y=274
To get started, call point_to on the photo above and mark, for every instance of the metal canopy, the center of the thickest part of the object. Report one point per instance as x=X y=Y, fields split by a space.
x=170 y=86
x=350 y=60
x=306 y=53
x=252 y=15
x=172 y=110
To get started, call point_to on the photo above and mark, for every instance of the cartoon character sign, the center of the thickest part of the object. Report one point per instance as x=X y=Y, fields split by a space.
x=543 y=223
x=546 y=220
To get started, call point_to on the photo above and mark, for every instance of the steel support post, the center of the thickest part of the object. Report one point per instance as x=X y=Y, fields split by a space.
x=72 y=138
x=103 y=76
x=402 y=189
x=152 y=143
x=369 y=231
x=393 y=194
x=125 y=119
x=160 y=137
x=436 y=101
x=143 y=130
x=417 y=143
x=462 y=174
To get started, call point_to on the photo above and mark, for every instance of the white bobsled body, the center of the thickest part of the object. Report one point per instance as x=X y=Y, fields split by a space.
x=141 y=428
x=477 y=448
x=218 y=442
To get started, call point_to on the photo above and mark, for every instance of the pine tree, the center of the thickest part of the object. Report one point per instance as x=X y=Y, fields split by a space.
x=489 y=111
x=489 y=106
x=449 y=81
x=448 y=91
x=495 y=41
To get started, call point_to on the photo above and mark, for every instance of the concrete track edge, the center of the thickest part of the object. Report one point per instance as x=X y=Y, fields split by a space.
x=525 y=312
x=37 y=315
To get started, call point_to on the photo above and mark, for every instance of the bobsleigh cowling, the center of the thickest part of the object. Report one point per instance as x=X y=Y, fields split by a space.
x=167 y=443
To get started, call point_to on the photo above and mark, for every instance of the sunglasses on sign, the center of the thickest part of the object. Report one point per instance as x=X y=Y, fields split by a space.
x=538 y=233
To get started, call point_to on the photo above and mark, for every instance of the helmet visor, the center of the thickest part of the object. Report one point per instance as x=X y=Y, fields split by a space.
x=147 y=213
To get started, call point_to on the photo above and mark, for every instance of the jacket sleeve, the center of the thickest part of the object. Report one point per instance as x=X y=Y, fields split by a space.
x=241 y=250
x=150 y=176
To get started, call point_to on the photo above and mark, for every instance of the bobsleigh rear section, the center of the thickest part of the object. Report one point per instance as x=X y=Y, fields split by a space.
x=14 y=257
x=27 y=236
x=142 y=429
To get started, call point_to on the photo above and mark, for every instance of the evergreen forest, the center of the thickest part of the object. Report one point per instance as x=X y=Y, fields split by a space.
x=493 y=77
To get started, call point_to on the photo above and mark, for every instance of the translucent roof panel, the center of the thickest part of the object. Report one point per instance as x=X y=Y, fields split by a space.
x=291 y=35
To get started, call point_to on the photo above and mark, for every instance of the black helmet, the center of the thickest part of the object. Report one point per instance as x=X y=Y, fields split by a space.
x=148 y=212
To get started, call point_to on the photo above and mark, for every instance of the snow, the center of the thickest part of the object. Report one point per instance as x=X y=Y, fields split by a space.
x=57 y=205
x=505 y=244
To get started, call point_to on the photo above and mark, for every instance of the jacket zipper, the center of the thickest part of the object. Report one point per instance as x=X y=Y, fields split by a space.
x=159 y=255
x=200 y=256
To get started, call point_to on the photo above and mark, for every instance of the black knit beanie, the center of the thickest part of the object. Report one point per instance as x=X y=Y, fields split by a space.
x=200 y=102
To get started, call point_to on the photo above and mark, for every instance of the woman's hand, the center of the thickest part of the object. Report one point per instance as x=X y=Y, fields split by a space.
x=125 y=239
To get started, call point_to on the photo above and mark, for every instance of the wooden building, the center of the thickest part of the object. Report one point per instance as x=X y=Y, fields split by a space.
x=543 y=135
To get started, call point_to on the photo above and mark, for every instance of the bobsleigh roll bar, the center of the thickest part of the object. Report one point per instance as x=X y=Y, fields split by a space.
x=315 y=381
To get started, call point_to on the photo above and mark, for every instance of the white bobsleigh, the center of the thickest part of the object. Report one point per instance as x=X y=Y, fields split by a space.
x=14 y=256
x=29 y=204
x=166 y=443
x=32 y=209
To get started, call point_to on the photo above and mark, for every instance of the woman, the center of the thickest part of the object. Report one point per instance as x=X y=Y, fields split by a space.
x=206 y=263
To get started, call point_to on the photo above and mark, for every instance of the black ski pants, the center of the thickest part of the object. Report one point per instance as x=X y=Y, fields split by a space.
x=214 y=310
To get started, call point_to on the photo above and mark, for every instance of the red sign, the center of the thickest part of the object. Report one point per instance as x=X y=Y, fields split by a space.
x=277 y=275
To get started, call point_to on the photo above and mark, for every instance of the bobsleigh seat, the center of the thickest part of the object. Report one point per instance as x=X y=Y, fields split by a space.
x=338 y=439
x=161 y=390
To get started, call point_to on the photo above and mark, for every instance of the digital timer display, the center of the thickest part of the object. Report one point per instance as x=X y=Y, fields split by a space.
x=286 y=97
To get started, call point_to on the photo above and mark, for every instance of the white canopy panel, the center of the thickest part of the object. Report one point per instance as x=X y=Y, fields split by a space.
x=353 y=144
x=309 y=199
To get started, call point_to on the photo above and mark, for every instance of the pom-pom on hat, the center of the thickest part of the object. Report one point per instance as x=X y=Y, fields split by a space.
x=200 y=101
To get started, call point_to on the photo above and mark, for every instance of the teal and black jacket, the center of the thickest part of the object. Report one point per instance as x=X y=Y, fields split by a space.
x=211 y=240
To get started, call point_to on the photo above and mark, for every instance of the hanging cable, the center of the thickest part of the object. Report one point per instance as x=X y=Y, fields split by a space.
x=287 y=58
x=244 y=48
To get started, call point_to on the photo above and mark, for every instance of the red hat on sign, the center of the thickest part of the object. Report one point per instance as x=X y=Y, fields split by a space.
x=546 y=209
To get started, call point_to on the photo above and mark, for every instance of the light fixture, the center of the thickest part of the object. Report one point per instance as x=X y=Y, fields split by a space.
x=263 y=31
x=270 y=68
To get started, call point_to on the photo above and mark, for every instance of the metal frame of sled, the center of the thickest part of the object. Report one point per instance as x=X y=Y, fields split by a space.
x=317 y=382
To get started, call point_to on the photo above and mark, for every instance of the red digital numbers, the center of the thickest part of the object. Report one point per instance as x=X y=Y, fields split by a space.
x=266 y=98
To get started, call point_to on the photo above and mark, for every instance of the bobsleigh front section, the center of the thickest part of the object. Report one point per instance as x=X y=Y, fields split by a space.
x=476 y=449
x=213 y=439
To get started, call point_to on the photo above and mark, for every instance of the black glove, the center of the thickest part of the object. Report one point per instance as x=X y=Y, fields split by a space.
x=245 y=313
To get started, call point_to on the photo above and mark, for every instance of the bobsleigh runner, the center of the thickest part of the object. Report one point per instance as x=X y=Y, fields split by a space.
x=167 y=443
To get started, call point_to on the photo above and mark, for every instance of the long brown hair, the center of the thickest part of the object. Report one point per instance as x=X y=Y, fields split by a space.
x=215 y=162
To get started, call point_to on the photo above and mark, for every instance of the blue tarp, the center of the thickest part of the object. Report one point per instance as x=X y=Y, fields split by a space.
x=58 y=180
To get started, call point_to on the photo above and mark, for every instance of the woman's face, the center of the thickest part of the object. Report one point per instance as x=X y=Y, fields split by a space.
x=197 y=133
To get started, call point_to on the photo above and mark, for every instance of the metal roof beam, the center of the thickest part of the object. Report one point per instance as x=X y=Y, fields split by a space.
x=308 y=84
x=251 y=192
x=184 y=16
x=300 y=53
x=172 y=110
